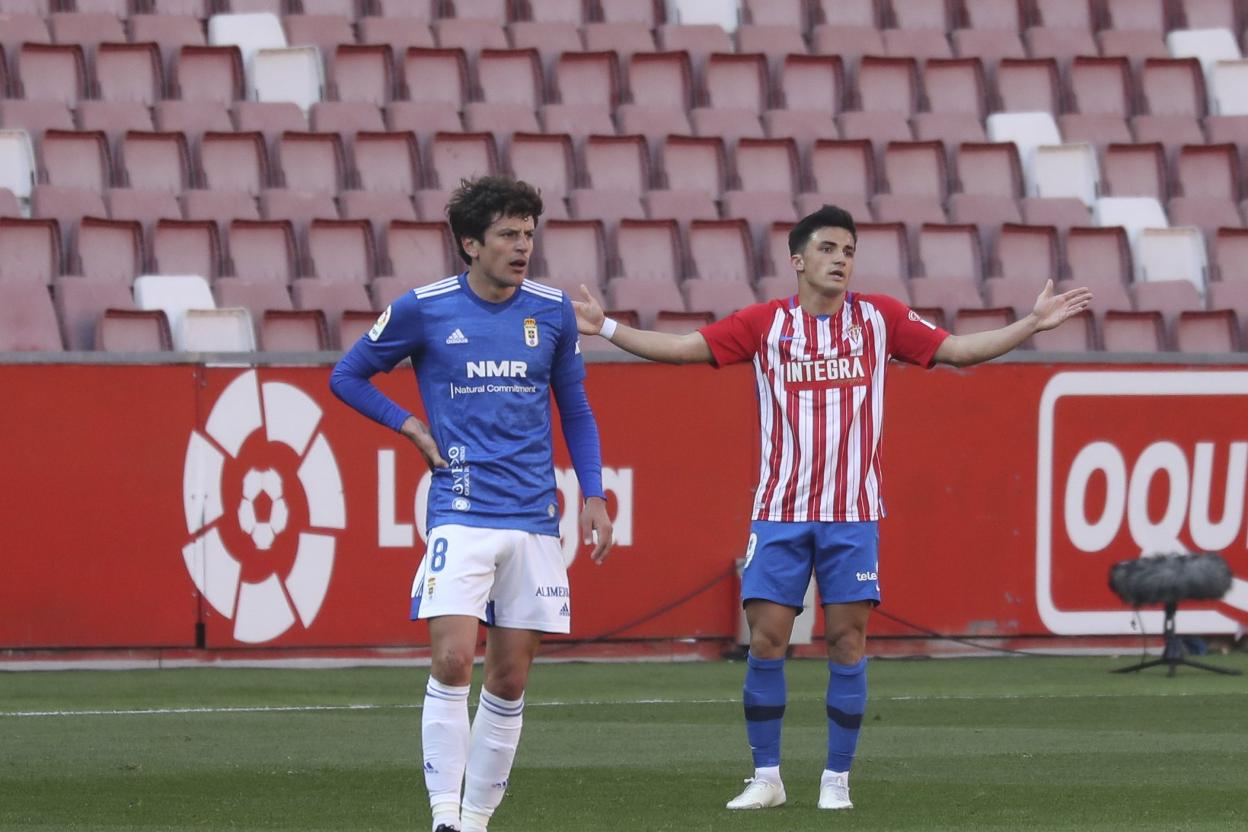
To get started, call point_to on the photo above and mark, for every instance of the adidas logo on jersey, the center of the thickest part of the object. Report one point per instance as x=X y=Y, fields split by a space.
x=564 y=610
x=457 y=337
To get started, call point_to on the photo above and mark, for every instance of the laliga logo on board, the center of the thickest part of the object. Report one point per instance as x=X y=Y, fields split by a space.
x=1134 y=464
x=273 y=549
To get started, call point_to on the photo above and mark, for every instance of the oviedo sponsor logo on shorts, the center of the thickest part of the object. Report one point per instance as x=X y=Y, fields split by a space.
x=1132 y=464
x=263 y=499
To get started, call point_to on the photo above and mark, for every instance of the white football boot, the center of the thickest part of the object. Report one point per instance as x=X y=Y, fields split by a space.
x=759 y=794
x=834 y=790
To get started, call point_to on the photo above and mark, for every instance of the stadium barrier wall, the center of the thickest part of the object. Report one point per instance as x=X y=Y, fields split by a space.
x=187 y=505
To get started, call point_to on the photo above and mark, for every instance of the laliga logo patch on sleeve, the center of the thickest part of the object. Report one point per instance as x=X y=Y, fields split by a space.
x=379 y=327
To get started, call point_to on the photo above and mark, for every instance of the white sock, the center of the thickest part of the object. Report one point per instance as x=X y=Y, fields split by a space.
x=495 y=734
x=771 y=774
x=444 y=738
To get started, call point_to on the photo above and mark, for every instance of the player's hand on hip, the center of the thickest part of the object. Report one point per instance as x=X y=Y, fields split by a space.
x=418 y=432
x=589 y=314
x=596 y=528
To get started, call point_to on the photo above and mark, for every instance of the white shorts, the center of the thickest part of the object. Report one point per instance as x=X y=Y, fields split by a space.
x=504 y=577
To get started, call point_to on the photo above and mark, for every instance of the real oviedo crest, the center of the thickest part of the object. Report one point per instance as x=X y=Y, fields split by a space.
x=530 y=332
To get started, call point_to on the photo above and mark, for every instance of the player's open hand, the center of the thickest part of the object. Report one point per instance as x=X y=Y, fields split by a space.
x=418 y=432
x=596 y=528
x=589 y=314
x=1051 y=310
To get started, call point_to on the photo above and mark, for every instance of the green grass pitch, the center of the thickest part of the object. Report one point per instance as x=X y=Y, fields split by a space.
x=955 y=744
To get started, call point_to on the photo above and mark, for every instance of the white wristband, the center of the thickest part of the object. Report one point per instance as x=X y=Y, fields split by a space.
x=608 y=328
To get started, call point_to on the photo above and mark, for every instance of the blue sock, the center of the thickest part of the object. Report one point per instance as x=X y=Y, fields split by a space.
x=765 y=695
x=847 y=699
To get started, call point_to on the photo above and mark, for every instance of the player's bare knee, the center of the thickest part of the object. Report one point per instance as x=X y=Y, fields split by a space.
x=507 y=684
x=846 y=647
x=768 y=645
x=452 y=665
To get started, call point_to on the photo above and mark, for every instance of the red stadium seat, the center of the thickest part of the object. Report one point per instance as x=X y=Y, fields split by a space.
x=545 y=161
x=573 y=252
x=129 y=72
x=1173 y=86
x=30 y=250
x=109 y=250
x=843 y=167
x=219 y=206
x=1214 y=331
x=1101 y=85
x=28 y=319
x=342 y=250
x=916 y=169
x=208 y=73
x=1208 y=171
x=882 y=251
x=362 y=73
x=737 y=82
x=293 y=330
x=387 y=162
x=234 y=162
x=1027 y=85
x=144 y=206
x=133 y=330
x=661 y=79
x=263 y=249
x=1123 y=331
x=955 y=85
x=436 y=75
x=80 y=303
x=413 y=249
x=721 y=250
x=77 y=159
x=457 y=156
x=649 y=249
x=186 y=247
x=645 y=296
x=694 y=163
x=333 y=298
x=888 y=85
x=720 y=298
x=312 y=162
x=1134 y=170
x=587 y=79
x=155 y=161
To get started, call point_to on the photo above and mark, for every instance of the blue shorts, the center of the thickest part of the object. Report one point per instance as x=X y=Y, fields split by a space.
x=781 y=556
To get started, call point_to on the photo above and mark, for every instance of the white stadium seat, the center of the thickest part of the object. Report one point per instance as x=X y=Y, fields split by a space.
x=1209 y=46
x=174 y=295
x=1229 y=88
x=290 y=74
x=1133 y=213
x=1172 y=254
x=1027 y=131
x=218 y=330
x=1065 y=170
x=17 y=164
x=249 y=32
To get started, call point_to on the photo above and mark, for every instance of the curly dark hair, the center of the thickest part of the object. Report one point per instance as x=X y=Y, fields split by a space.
x=478 y=203
x=829 y=216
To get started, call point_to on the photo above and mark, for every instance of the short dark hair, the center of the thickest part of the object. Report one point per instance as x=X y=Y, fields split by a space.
x=479 y=203
x=829 y=216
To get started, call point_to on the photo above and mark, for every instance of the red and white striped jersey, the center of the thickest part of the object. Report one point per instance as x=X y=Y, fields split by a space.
x=821 y=399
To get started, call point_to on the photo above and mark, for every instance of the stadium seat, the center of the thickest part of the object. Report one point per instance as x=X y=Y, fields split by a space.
x=387 y=162
x=729 y=125
x=333 y=298
x=324 y=31
x=1136 y=45
x=234 y=161
x=76 y=159
x=297 y=206
x=1173 y=86
x=617 y=163
x=170 y=32
x=471 y=35
x=1143 y=332
x=587 y=79
x=989 y=169
x=950 y=265
x=263 y=249
x=250 y=32
x=1065 y=14
x=1077 y=334
x=30 y=250
x=313 y=162
x=1168 y=254
x=173 y=295
x=608 y=206
x=423 y=118
x=210 y=74
x=843 y=167
x=802 y=126
x=1096 y=129
x=882 y=251
x=457 y=156
x=361 y=73
x=699 y=40
x=256 y=296
x=397 y=33
x=775 y=40
x=573 y=252
x=624 y=37
x=133 y=330
x=293 y=330
x=17 y=163
x=1026 y=130
x=436 y=76
x=916 y=169
x=1206 y=213
x=811 y=83
x=649 y=249
x=9 y=206
x=1101 y=86
x=67 y=206
x=414 y=249
x=194 y=118
x=144 y=206
x=545 y=161
x=684 y=206
x=108 y=249
x=1065 y=171
x=647 y=296
x=342 y=249
x=1098 y=254
x=663 y=80
x=27 y=318
x=218 y=206
x=1134 y=213
x=347 y=118
x=291 y=74
x=186 y=247
x=1028 y=85
x=52 y=72
x=720 y=298
x=22 y=26
x=967 y=321
x=511 y=77
x=1213 y=331
x=847 y=41
x=113 y=118
x=1026 y=253
x=1060 y=45
x=888 y=84
x=80 y=302
x=153 y=161
x=1014 y=293
x=721 y=250
x=955 y=85
x=1061 y=213
x=217 y=330
x=737 y=81
x=1135 y=170
x=549 y=38
x=378 y=207
x=1210 y=171
x=129 y=72
x=1169 y=297
x=995 y=15
x=1208 y=14
x=694 y=164
x=990 y=46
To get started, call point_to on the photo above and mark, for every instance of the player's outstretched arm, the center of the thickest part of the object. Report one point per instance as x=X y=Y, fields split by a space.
x=1050 y=312
x=656 y=346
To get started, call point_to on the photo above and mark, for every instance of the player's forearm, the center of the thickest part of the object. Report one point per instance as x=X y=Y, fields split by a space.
x=690 y=348
x=965 y=350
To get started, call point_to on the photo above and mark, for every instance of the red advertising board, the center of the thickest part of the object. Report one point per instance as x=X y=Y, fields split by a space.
x=146 y=504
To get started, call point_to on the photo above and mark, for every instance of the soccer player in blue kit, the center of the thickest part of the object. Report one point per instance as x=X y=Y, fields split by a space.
x=488 y=348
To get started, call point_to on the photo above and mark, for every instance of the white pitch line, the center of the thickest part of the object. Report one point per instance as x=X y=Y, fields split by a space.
x=263 y=709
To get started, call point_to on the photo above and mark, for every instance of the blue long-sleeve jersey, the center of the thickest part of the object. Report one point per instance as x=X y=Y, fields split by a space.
x=486 y=372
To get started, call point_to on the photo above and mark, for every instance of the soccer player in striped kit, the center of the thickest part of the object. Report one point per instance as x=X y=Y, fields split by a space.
x=819 y=360
x=488 y=348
